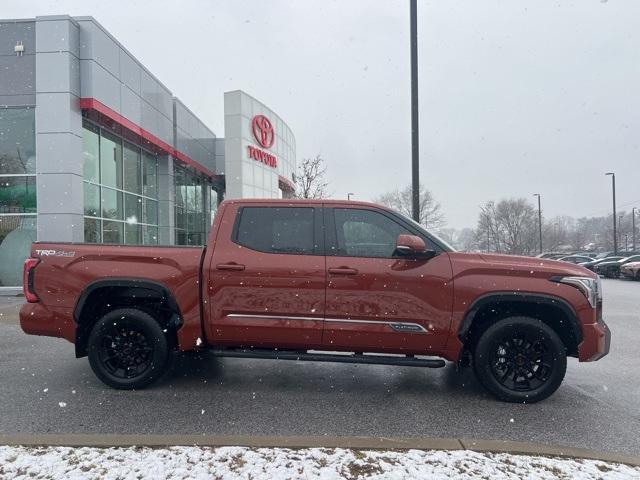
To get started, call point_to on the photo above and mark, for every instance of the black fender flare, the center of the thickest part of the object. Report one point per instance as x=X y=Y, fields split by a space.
x=524 y=298
x=143 y=283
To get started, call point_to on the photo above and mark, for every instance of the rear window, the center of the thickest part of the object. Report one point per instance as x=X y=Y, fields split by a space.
x=276 y=229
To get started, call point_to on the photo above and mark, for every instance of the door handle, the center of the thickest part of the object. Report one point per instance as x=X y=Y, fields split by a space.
x=232 y=266
x=343 y=271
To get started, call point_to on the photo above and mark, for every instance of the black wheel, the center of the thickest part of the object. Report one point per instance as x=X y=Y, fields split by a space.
x=520 y=359
x=127 y=349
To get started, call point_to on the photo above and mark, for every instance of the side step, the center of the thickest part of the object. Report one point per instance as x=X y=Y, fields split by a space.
x=407 y=361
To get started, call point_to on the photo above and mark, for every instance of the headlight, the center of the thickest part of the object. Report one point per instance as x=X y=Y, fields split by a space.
x=590 y=287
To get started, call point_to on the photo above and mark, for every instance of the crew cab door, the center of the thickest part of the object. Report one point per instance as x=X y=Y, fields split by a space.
x=377 y=301
x=267 y=277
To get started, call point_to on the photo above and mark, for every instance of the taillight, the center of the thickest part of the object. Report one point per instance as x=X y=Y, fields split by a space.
x=27 y=279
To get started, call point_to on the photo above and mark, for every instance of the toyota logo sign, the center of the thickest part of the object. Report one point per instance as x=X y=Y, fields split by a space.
x=263 y=131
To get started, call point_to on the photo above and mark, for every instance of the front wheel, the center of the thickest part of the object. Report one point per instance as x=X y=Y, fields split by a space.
x=127 y=349
x=520 y=359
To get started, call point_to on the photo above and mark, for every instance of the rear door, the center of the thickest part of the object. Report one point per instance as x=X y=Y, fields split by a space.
x=267 y=277
x=376 y=301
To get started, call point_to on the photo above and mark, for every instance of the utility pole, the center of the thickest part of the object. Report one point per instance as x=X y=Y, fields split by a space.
x=615 y=234
x=349 y=196
x=539 y=220
x=415 y=136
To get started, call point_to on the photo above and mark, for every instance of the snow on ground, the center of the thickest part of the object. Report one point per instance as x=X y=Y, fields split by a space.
x=281 y=463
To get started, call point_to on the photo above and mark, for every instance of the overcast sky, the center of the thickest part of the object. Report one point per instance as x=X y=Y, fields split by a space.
x=516 y=97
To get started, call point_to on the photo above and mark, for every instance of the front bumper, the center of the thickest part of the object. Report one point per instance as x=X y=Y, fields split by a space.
x=596 y=341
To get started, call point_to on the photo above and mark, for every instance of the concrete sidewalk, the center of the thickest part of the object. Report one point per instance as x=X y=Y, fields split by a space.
x=9 y=308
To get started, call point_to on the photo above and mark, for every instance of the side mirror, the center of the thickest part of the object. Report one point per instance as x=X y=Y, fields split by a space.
x=413 y=246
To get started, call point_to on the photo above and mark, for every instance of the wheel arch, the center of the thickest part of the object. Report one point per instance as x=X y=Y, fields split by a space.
x=554 y=311
x=104 y=295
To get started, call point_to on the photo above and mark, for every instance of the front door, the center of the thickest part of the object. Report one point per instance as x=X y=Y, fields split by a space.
x=267 y=277
x=375 y=300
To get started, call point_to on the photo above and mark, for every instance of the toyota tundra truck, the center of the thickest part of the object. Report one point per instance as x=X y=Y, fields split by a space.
x=317 y=280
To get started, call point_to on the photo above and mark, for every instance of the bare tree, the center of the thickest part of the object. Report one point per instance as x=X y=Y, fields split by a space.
x=507 y=227
x=430 y=214
x=310 y=180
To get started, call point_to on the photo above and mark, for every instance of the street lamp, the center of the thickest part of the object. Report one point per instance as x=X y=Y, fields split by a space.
x=633 y=227
x=415 y=135
x=349 y=196
x=615 y=234
x=539 y=220
x=620 y=217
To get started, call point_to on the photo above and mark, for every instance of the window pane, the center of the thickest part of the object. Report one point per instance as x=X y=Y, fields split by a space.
x=150 y=212
x=18 y=194
x=110 y=160
x=112 y=232
x=132 y=208
x=180 y=219
x=150 y=235
x=16 y=234
x=277 y=230
x=132 y=168
x=132 y=234
x=213 y=204
x=150 y=175
x=91 y=152
x=112 y=204
x=365 y=233
x=92 y=230
x=91 y=200
x=17 y=141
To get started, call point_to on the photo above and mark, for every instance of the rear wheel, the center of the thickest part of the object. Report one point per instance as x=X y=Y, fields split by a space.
x=520 y=359
x=127 y=349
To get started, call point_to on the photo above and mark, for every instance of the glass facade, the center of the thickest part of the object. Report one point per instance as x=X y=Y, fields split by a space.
x=17 y=191
x=120 y=189
x=192 y=220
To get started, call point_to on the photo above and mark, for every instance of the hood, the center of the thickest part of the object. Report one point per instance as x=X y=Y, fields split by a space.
x=542 y=265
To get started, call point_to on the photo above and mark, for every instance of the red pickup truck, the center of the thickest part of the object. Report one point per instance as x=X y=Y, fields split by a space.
x=322 y=281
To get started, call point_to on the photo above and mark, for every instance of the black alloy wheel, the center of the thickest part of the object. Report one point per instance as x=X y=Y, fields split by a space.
x=127 y=349
x=520 y=359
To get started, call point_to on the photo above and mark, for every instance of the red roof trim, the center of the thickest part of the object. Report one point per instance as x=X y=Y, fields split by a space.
x=93 y=104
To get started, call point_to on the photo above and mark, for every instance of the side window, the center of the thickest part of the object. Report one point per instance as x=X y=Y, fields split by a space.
x=365 y=233
x=276 y=230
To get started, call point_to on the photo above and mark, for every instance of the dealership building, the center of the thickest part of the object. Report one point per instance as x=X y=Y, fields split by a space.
x=94 y=148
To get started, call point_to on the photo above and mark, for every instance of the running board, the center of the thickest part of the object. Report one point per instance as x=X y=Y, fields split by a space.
x=407 y=361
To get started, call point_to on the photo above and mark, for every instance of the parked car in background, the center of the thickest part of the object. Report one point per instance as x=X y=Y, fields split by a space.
x=550 y=255
x=577 y=259
x=631 y=270
x=592 y=264
x=611 y=269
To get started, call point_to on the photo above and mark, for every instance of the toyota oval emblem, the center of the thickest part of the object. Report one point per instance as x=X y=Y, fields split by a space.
x=263 y=131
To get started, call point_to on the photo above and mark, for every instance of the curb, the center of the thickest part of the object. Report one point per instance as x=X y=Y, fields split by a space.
x=382 y=443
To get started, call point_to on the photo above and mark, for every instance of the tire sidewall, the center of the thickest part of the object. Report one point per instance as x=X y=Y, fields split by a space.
x=150 y=329
x=482 y=359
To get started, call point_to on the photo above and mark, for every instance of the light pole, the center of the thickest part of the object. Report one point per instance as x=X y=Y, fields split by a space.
x=633 y=227
x=615 y=233
x=415 y=137
x=539 y=220
x=349 y=196
x=620 y=217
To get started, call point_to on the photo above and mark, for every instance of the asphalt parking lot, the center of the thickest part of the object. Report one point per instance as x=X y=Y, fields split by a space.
x=44 y=389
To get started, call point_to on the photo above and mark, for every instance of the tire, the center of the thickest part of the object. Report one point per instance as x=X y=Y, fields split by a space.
x=520 y=359
x=138 y=352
